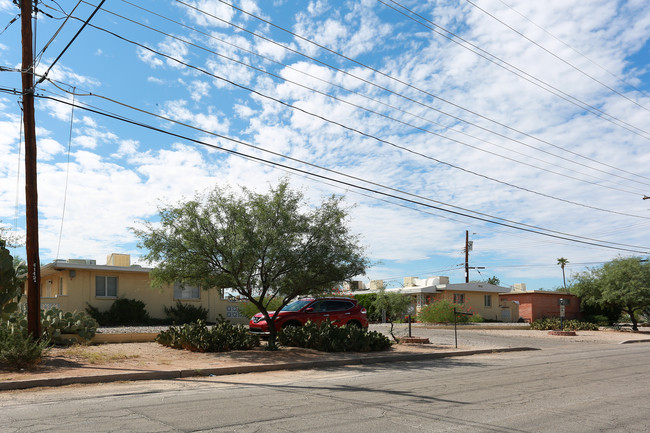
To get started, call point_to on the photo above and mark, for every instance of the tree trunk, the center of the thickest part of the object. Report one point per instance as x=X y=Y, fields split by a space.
x=634 y=321
x=273 y=335
x=391 y=332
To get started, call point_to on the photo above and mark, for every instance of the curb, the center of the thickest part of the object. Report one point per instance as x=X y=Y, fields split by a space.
x=222 y=371
x=634 y=341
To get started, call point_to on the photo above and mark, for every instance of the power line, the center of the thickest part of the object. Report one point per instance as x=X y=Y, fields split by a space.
x=248 y=65
x=573 y=49
x=556 y=56
x=389 y=77
x=488 y=218
x=39 y=55
x=67 y=174
x=521 y=73
x=69 y=43
x=357 y=131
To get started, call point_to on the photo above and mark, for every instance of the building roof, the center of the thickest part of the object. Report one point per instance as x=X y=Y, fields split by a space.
x=438 y=288
x=60 y=265
x=539 y=292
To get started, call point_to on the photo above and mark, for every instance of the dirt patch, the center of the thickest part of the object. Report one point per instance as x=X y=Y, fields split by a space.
x=139 y=357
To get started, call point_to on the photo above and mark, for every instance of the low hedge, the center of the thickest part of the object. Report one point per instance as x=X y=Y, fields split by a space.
x=551 y=323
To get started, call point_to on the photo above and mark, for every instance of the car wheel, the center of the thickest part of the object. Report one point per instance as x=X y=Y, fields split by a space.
x=291 y=325
x=354 y=323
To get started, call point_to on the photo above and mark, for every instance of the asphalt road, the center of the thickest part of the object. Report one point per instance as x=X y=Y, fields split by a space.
x=565 y=388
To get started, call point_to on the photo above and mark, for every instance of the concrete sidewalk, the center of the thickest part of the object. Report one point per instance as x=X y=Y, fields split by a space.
x=325 y=361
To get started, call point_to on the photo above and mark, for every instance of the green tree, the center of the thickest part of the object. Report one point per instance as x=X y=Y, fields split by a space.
x=622 y=284
x=394 y=304
x=494 y=280
x=264 y=246
x=563 y=262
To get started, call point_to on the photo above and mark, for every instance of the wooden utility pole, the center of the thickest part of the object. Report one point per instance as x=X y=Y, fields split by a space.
x=467 y=256
x=31 y=190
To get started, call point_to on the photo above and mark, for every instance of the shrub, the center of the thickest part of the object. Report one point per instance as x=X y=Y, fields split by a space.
x=330 y=338
x=123 y=311
x=367 y=301
x=548 y=324
x=442 y=311
x=18 y=349
x=599 y=320
x=197 y=337
x=181 y=313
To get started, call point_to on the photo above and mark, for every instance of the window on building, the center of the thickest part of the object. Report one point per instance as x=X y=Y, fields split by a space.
x=230 y=295
x=61 y=286
x=185 y=291
x=459 y=298
x=487 y=300
x=105 y=287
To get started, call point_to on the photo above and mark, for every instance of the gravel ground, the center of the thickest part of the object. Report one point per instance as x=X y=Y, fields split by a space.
x=130 y=329
x=473 y=336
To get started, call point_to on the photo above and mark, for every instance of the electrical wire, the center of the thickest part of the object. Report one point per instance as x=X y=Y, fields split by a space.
x=556 y=56
x=39 y=55
x=20 y=148
x=248 y=65
x=69 y=43
x=488 y=219
x=355 y=130
x=593 y=62
x=67 y=173
x=437 y=97
x=13 y=20
x=521 y=73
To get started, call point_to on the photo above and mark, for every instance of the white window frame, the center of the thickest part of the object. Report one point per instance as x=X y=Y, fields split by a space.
x=106 y=280
x=185 y=292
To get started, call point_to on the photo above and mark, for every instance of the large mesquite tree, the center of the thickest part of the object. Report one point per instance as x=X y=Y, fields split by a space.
x=622 y=284
x=264 y=246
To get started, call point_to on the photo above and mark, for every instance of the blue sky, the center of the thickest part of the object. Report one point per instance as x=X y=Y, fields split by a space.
x=454 y=114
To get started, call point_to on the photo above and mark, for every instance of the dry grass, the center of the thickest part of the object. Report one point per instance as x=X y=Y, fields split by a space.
x=95 y=356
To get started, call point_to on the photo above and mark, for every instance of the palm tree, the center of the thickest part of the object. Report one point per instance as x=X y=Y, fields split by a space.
x=562 y=262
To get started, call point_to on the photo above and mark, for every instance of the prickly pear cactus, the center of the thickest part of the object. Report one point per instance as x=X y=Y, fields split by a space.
x=55 y=322
x=11 y=282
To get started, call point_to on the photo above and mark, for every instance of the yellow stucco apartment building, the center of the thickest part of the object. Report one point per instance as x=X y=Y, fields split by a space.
x=76 y=283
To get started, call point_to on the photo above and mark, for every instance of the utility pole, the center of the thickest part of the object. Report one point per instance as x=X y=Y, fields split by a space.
x=31 y=190
x=468 y=247
x=466 y=256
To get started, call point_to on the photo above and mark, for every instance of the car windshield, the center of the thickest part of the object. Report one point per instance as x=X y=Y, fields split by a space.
x=296 y=305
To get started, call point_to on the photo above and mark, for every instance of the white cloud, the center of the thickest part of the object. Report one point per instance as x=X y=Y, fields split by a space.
x=205 y=13
x=7 y=5
x=176 y=50
x=48 y=148
x=149 y=57
x=198 y=90
x=155 y=80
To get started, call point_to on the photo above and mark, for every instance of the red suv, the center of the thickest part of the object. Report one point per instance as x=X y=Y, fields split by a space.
x=339 y=311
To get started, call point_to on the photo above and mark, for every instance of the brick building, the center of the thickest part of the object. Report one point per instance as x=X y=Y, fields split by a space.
x=540 y=304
